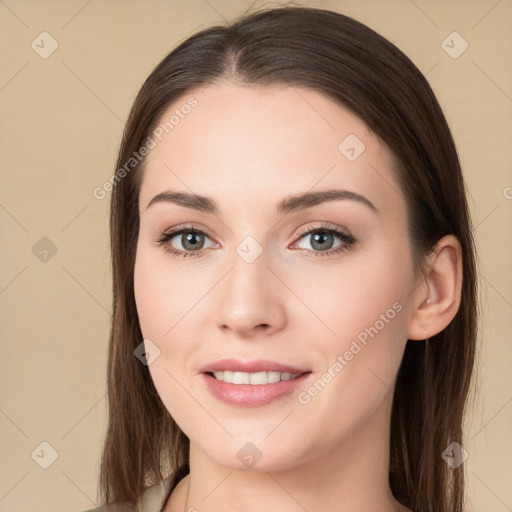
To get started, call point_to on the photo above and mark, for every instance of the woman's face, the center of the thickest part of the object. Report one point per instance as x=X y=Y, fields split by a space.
x=261 y=277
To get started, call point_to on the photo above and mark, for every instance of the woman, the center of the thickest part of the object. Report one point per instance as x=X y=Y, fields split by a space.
x=294 y=312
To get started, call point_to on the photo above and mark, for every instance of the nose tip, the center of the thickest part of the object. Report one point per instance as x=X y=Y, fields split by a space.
x=248 y=302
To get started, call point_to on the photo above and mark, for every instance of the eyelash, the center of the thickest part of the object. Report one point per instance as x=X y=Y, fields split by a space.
x=347 y=239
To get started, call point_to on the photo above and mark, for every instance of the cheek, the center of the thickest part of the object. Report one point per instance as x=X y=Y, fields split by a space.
x=145 y=295
x=355 y=296
x=160 y=296
x=160 y=305
x=363 y=308
x=169 y=302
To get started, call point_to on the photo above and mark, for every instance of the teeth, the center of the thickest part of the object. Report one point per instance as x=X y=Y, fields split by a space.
x=273 y=377
x=256 y=378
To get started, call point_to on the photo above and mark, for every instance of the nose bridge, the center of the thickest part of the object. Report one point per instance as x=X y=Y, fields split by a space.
x=248 y=280
x=248 y=295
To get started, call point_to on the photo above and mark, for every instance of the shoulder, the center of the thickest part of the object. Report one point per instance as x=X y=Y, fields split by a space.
x=153 y=497
x=150 y=501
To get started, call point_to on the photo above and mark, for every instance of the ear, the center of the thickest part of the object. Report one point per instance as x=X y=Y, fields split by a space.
x=437 y=299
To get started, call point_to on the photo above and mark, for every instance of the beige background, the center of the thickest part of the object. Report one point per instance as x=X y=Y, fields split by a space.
x=62 y=122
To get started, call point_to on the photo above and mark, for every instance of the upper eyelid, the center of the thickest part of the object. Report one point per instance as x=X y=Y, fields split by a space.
x=324 y=226
x=181 y=229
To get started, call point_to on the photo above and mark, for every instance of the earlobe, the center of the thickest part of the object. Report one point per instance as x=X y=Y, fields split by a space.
x=439 y=299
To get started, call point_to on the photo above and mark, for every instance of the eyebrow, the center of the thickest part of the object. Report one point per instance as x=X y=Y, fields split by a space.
x=286 y=206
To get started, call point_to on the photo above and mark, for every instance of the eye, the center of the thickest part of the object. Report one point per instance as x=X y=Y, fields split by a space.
x=190 y=241
x=322 y=240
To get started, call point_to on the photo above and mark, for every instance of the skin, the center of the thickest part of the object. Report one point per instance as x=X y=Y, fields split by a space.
x=247 y=148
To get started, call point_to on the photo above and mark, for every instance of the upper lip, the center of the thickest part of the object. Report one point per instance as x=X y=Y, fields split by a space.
x=260 y=365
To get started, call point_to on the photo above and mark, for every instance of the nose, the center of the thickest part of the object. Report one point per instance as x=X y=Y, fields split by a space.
x=250 y=300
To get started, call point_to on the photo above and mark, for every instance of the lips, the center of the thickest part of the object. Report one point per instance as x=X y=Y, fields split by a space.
x=229 y=380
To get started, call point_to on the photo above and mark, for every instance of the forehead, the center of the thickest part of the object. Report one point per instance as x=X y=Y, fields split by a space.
x=252 y=145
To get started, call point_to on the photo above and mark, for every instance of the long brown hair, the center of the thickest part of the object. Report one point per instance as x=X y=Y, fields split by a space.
x=350 y=63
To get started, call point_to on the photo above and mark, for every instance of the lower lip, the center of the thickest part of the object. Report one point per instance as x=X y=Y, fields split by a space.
x=248 y=395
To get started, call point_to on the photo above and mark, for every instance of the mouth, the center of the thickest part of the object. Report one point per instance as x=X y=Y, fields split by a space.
x=253 y=383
